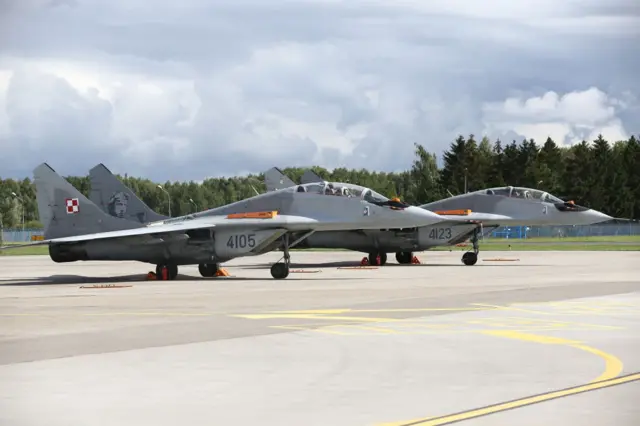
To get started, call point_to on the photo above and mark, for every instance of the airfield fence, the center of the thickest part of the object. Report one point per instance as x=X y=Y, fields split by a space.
x=629 y=228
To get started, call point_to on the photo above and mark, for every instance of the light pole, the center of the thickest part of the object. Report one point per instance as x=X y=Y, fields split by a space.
x=22 y=206
x=465 y=180
x=194 y=203
x=168 y=196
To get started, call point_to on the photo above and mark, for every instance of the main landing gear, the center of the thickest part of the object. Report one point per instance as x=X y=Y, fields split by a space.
x=377 y=258
x=404 y=257
x=208 y=270
x=166 y=272
x=471 y=257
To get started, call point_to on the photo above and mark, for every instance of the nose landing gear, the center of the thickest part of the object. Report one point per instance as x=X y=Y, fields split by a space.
x=280 y=270
x=470 y=258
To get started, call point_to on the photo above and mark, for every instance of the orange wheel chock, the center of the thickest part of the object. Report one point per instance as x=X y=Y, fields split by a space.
x=415 y=260
x=364 y=261
x=151 y=275
x=221 y=272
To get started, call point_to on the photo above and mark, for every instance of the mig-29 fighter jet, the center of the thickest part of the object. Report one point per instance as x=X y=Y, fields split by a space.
x=76 y=229
x=485 y=210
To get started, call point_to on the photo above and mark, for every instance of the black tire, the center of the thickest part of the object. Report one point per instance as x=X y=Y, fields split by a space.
x=279 y=271
x=469 y=258
x=383 y=258
x=404 y=257
x=159 y=272
x=172 y=272
x=208 y=270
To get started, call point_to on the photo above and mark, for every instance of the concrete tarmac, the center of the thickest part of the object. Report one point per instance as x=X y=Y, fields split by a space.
x=522 y=338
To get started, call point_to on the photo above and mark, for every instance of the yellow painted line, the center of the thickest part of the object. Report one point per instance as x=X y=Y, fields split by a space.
x=506 y=322
x=94 y=314
x=613 y=365
x=535 y=399
x=342 y=311
x=376 y=329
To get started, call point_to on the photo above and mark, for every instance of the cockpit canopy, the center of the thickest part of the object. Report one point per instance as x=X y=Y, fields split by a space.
x=521 y=192
x=341 y=189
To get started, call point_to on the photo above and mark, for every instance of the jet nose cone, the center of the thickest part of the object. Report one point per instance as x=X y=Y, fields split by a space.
x=594 y=216
x=423 y=217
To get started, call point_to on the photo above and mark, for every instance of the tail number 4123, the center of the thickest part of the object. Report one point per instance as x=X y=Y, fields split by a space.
x=440 y=234
x=240 y=241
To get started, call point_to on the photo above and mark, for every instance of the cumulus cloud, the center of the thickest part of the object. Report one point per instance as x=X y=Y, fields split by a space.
x=184 y=90
x=567 y=119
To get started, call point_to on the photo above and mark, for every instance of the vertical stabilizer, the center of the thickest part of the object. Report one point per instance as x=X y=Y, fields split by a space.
x=310 y=177
x=116 y=199
x=275 y=179
x=65 y=212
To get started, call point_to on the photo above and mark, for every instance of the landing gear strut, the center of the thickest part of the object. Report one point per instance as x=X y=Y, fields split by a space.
x=166 y=272
x=377 y=258
x=208 y=270
x=404 y=257
x=280 y=270
x=471 y=257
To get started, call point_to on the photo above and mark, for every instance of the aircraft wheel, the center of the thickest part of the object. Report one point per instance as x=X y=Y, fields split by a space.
x=377 y=258
x=171 y=272
x=470 y=258
x=404 y=257
x=208 y=270
x=280 y=271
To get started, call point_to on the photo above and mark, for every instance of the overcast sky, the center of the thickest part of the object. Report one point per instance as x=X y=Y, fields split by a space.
x=179 y=90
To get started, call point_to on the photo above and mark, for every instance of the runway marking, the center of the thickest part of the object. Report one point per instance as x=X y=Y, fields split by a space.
x=613 y=365
x=346 y=310
x=584 y=308
x=517 y=403
x=93 y=314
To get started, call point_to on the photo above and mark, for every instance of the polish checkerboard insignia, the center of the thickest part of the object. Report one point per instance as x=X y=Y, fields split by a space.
x=73 y=206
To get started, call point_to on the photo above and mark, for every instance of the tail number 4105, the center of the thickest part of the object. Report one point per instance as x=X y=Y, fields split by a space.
x=240 y=241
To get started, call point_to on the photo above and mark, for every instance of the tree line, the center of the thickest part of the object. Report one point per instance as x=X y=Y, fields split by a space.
x=597 y=174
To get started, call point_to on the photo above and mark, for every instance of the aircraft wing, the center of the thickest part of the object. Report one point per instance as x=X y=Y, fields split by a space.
x=478 y=217
x=289 y=223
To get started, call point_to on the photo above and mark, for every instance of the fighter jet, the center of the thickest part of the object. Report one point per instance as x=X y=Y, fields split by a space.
x=76 y=229
x=483 y=210
x=116 y=199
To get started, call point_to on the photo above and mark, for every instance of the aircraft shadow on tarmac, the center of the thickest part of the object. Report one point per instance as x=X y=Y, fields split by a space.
x=131 y=279
x=352 y=264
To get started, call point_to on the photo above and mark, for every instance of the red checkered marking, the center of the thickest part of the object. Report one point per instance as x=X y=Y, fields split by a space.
x=73 y=206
